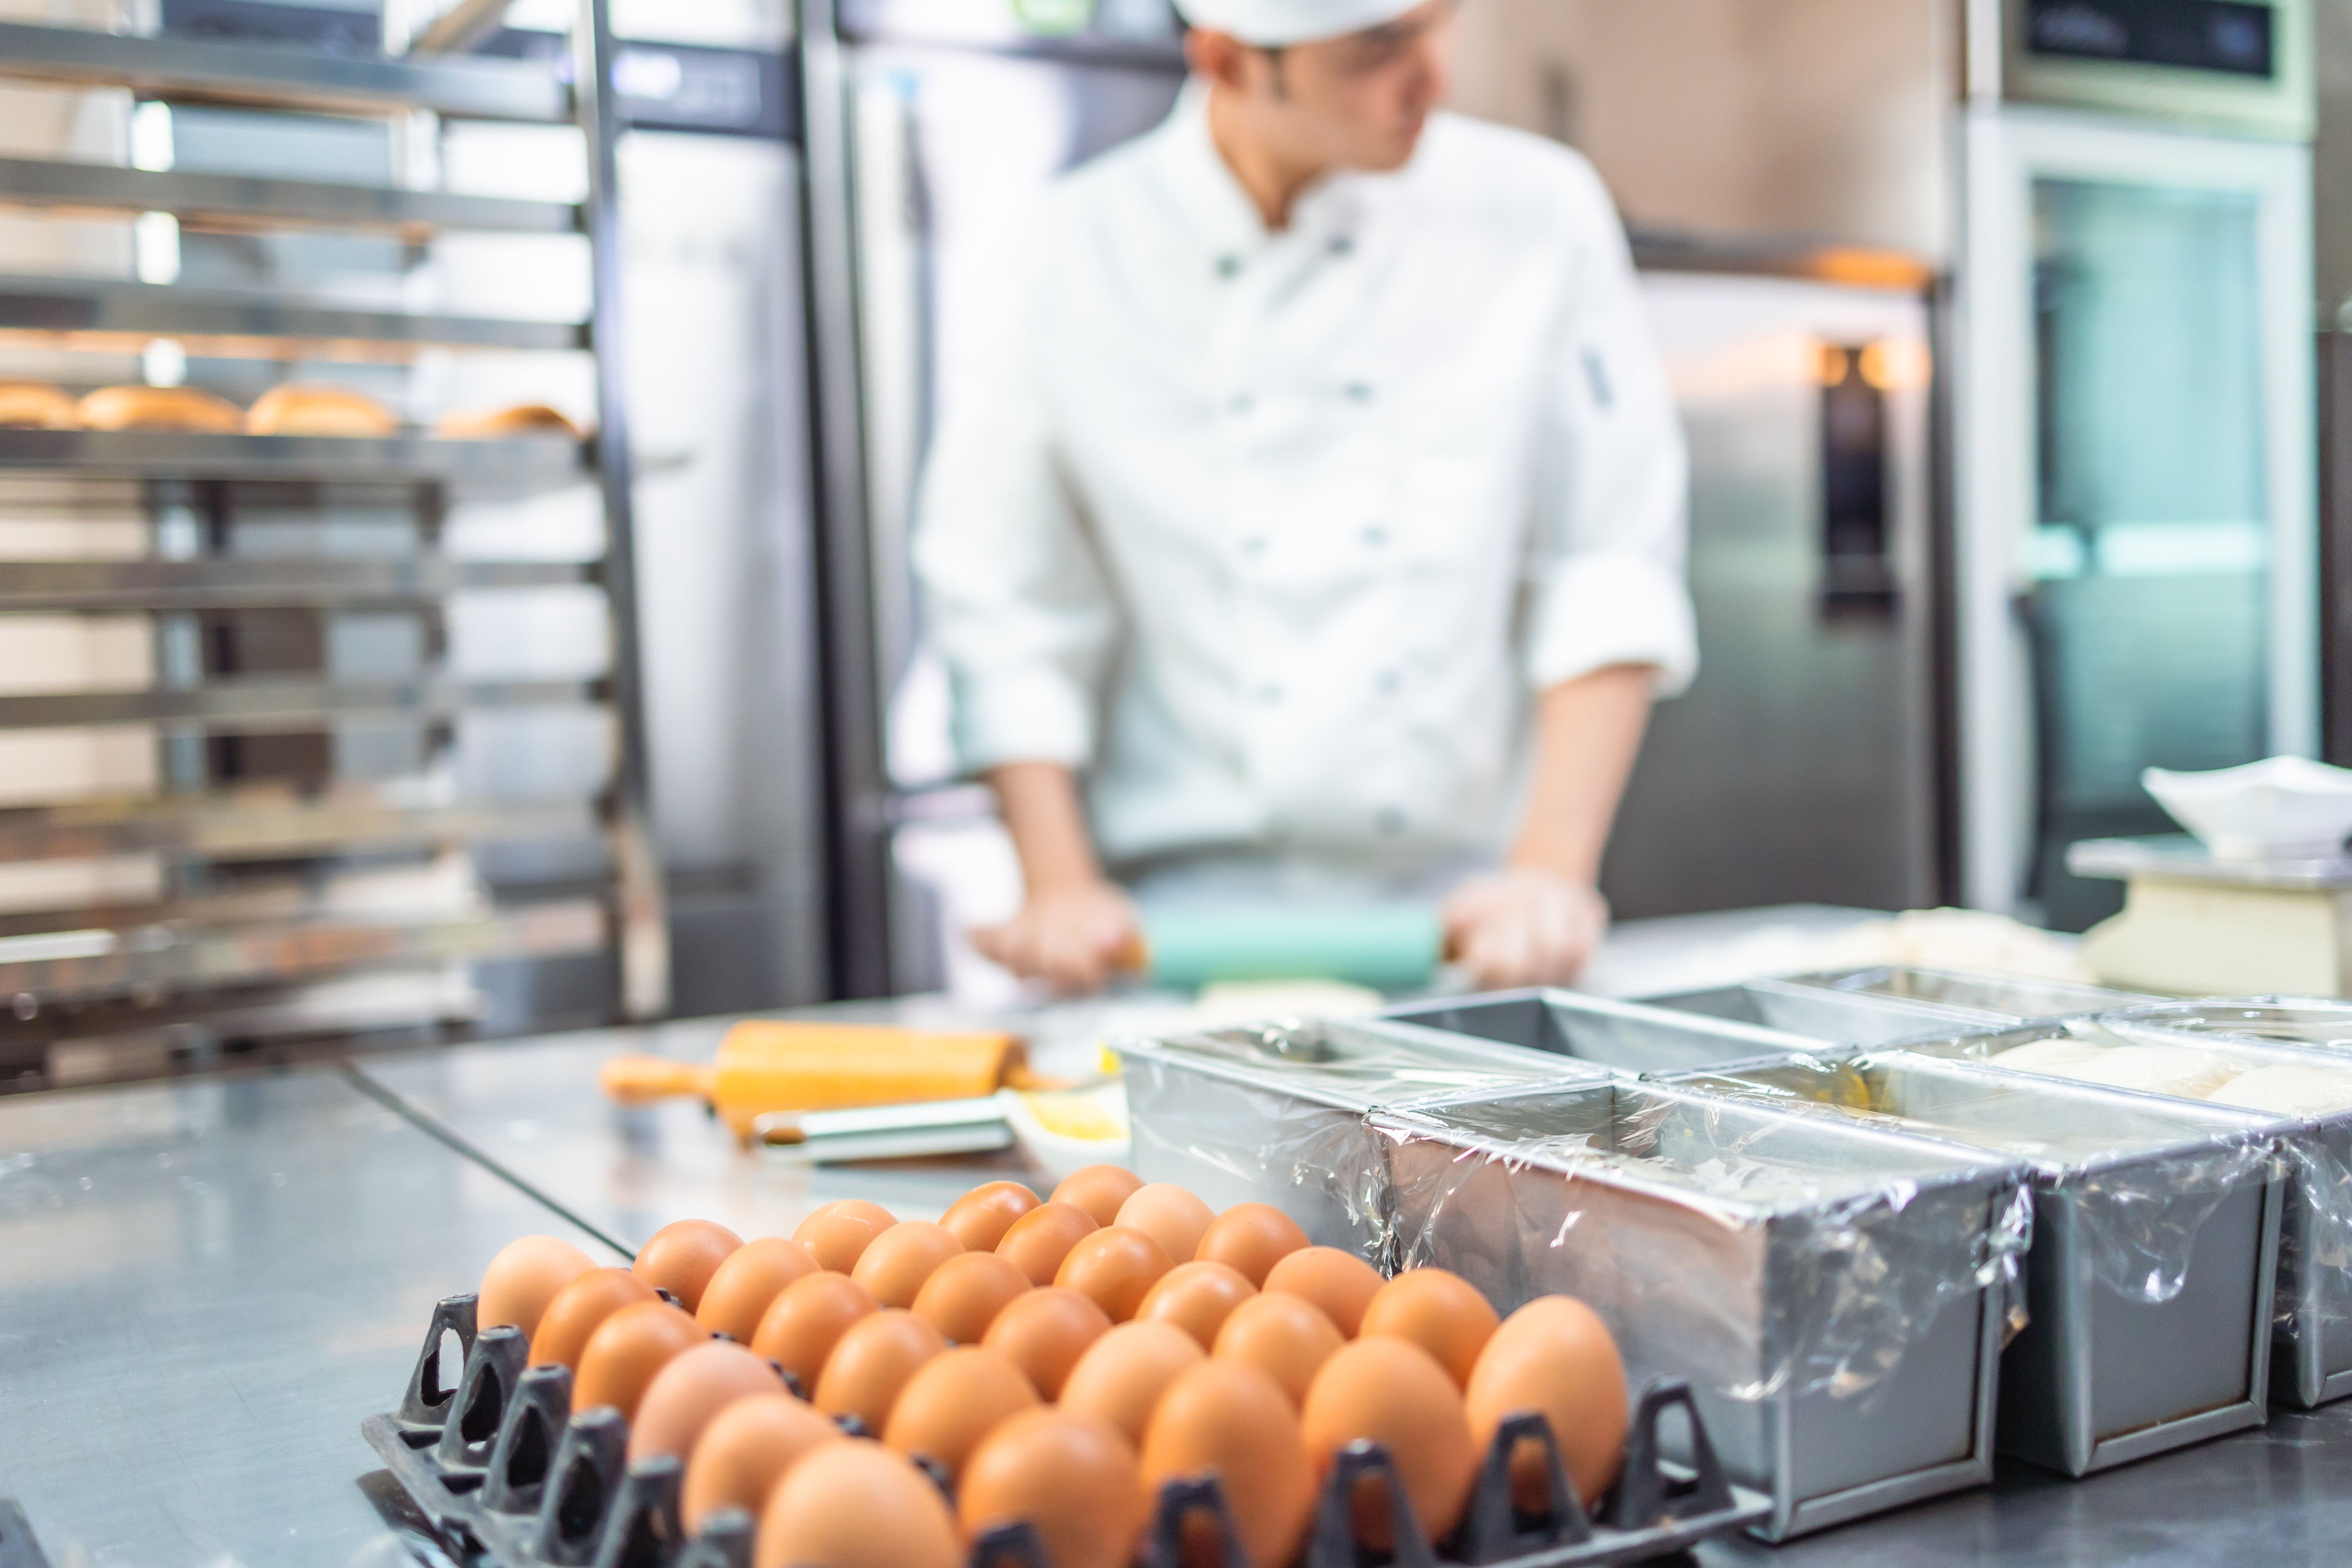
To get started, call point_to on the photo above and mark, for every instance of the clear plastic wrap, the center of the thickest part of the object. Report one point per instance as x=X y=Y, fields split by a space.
x=1275 y=1113
x=2145 y=1177
x=2313 y=1308
x=1633 y=1037
x=2321 y=1022
x=1754 y=1253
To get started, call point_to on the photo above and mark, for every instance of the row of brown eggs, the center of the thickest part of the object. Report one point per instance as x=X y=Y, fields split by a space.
x=1058 y=1359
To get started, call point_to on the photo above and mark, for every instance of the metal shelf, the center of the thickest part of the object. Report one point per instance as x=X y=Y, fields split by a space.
x=116 y=317
x=168 y=958
x=265 y=705
x=256 y=75
x=216 y=584
x=246 y=203
x=255 y=824
x=516 y=465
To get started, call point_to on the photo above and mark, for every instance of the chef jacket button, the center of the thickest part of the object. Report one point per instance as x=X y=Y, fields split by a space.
x=1343 y=244
x=1358 y=391
x=1388 y=681
x=1229 y=267
x=1240 y=402
x=1375 y=535
x=1269 y=694
x=1388 y=820
x=1253 y=545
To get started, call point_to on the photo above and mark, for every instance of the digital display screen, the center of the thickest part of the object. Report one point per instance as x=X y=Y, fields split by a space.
x=2230 y=36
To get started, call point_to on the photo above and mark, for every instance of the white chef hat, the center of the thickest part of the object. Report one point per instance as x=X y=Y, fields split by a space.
x=1270 y=23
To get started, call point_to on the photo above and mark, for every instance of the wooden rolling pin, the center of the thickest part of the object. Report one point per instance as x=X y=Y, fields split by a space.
x=768 y=1064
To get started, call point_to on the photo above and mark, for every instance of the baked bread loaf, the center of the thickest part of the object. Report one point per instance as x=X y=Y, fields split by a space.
x=292 y=410
x=522 y=419
x=160 y=408
x=36 y=405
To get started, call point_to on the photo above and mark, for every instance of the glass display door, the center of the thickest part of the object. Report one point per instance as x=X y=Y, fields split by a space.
x=2137 y=538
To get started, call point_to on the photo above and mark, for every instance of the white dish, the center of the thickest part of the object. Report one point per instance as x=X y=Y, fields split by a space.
x=2281 y=808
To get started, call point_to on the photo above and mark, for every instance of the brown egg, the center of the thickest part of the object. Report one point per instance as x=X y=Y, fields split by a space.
x=980 y=1218
x=627 y=1350
x=1230 y=1420
x=871 y=1366
x=1554 y=1355
x=1252 y=1237
x=1394 y=1392
x=964 y=1294
x=1284 y=1336
x=895 y=1266
x=1169 y=1216
x=746 y=1450
x=523 y=1279
x=680 y=1257
x=1197 y=1298
x=1122 y=1375
x=1045 y=1331
x=1441 y=1312
x=1071 y=1476
x=577 y=1310
x=856 y=1505
x=806 y=1320
x=1340 y=1283
x=696 y=1385
x=838 y=1233
x=955 y=1400
x=1038 y=1241
x=1117 y=1267
x=1099 y=1190
x=754 y=1275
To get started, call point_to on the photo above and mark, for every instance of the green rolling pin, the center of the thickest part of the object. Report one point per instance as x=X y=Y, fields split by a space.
x=1389 y=947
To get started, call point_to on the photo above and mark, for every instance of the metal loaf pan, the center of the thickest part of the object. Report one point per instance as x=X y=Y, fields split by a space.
x=2310 y=1351
x=1628 y=1036
x=1822 y=1012
x=2127 y=1188
x=1832 y=1292
x=1274 y=1113
x=2320 y=1023
x=2015 y=998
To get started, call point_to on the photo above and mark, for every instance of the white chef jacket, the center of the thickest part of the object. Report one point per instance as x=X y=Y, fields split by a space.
x=1272 y=535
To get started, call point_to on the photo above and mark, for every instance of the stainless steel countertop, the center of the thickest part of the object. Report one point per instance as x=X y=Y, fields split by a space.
x=204 y=1286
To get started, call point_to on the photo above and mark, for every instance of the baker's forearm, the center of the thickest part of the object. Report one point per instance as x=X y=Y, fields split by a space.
x=1588 y=732
x=1039 y=803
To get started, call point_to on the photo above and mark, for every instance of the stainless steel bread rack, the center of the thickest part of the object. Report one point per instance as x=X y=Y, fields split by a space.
x=234 y=944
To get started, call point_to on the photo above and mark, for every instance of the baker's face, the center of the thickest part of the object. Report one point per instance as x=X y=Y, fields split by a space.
x=1358 y=102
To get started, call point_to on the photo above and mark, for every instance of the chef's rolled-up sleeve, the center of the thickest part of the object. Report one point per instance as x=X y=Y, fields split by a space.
x=1606 y=573
x=1012 y=597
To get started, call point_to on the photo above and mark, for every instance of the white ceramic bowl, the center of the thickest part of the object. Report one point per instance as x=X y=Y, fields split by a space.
x=2281 y=808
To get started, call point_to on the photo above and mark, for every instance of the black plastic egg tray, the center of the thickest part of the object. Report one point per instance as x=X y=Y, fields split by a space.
x=509 y=1477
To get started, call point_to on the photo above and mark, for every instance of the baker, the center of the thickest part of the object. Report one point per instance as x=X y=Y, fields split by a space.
x=1311 y=527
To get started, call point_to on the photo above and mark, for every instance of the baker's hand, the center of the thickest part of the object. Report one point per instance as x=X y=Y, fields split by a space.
x=1072 y=938
x=1524 y=927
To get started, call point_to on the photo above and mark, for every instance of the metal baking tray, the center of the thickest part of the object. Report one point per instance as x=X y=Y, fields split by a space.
x=2310 y=1351
x=1779 y=1263
x=1822 y=1012
x=2016 y=998
x=1274 y=1113
x=2098 y=1377
x=505 y=1472
x=1629 y=1036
